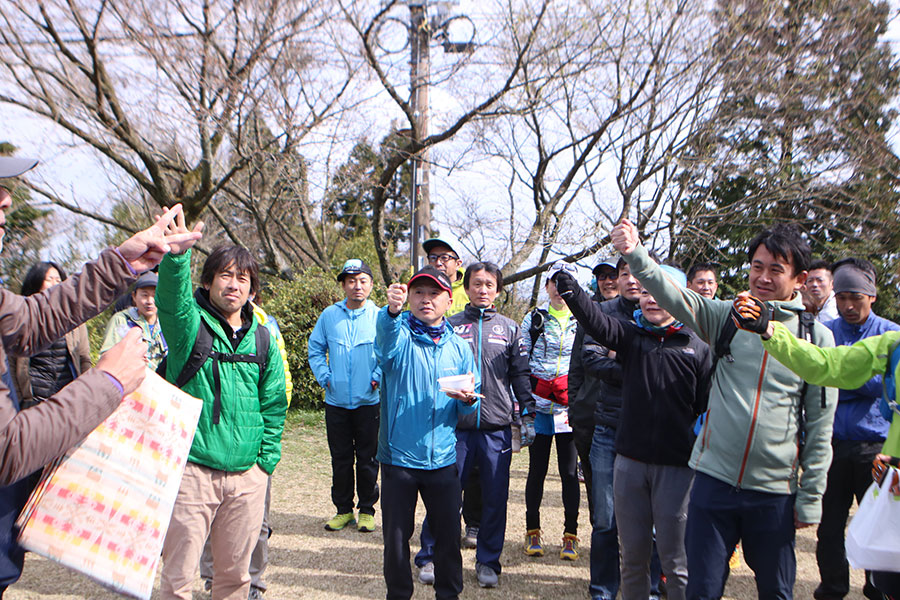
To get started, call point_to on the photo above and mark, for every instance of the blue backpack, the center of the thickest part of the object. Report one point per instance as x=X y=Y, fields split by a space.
x=888 y=404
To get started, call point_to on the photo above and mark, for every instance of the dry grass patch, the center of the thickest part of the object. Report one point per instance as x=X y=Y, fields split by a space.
x=308 y=562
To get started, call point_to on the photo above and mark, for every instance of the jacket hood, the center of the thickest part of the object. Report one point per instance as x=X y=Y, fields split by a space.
x=202 y=298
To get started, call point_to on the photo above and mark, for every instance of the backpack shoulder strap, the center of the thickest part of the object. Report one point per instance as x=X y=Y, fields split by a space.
x=201 y=351
x=806 y=331
x=722 y=348
x=538 y=320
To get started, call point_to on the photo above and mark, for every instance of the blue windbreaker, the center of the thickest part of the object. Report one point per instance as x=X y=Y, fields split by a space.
x=348 y=338
x=418 y=421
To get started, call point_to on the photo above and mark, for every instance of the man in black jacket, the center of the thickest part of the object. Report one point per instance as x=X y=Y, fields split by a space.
x=667 y=368
x=595 y=381
x=484 y=437
x=581 y=407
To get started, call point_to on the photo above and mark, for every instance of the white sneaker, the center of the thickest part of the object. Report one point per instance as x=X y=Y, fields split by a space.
x=426 y=574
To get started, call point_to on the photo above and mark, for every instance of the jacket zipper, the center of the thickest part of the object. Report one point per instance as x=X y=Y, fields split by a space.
x=762 y=371
x=434 y=397
x=478 y=365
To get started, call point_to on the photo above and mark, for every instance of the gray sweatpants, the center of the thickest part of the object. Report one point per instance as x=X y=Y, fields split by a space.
x=648 y=496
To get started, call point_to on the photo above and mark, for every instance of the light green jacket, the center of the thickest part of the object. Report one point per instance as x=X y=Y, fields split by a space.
x=751 y=436
x=845 y=367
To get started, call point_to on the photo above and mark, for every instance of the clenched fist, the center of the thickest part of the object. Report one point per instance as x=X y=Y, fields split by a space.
x=625 y=237
x=396 y=297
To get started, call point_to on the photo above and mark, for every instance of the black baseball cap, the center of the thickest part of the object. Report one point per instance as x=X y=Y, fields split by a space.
x=427 y=245
x=429 y=272
x=354 y=266
x=11 y=166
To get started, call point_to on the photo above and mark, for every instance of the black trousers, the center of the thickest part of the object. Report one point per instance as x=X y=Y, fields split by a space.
x=472 y=506
x=440 y=490
x=353 y=433
x=849 y=476
x=583 y=441
x=538 y=462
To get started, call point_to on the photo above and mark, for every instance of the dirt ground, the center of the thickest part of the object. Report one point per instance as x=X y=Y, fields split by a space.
x=308 y=562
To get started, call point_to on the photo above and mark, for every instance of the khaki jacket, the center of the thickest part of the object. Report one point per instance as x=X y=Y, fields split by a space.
x=32 y=438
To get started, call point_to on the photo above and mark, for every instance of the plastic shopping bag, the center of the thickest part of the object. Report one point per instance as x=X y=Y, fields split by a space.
x=873 y=538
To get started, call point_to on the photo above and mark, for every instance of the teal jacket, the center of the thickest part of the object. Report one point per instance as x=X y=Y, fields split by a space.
x=342 y=354
x=418 y=421
x=845 y=367
x=752 y=434
x=253 y=404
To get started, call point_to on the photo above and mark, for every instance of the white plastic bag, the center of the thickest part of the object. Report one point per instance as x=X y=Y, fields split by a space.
x=873 y=538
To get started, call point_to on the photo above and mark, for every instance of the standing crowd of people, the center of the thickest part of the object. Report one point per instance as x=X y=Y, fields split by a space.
x=698 y=423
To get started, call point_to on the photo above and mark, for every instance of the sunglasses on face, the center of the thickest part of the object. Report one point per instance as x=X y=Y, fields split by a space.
x=604 y=276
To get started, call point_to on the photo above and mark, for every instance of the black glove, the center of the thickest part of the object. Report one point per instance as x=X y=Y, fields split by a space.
x=751 y=314
x=565 y=283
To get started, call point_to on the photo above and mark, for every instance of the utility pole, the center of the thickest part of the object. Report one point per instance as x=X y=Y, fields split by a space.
x=419 y=77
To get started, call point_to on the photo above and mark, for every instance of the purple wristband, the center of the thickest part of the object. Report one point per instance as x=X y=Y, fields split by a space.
x=130 y=268
x=116 y=383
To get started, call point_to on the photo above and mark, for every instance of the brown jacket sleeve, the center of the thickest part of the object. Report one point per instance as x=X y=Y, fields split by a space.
x=35 y=436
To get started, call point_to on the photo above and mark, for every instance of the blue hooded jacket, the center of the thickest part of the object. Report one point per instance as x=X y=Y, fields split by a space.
x=418 y=421
x=348 y=338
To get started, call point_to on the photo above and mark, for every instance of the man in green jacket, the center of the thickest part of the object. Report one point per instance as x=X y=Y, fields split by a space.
x=238 y=439
x=762 y=456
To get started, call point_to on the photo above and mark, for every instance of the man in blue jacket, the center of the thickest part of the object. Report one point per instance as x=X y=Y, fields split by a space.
x=345 y=334
x=859 y=429
x=417 y=439
x=484 y=438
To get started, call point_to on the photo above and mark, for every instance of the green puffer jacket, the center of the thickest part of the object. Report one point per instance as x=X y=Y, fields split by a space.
x=751 y=437
x=253 y=408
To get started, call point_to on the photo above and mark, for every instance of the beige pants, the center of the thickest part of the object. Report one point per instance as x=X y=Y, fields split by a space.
x=227 y=507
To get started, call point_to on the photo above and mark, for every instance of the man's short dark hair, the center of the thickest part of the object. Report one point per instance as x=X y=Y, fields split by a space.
x=705 y=266
x=483 y=266
x=860 y=263
x=820 y=264
x=785 y=241
x=620 y=263
x=223 y=257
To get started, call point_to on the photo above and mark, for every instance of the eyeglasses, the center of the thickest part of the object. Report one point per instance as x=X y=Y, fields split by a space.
x=604 y=276
x=441 y=258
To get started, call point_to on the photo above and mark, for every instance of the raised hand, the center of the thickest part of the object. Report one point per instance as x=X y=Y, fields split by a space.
x=565 y=283
x=145 y=249
x=179 y=237
x=396 y=297
x=127 y=360
x=625 y=237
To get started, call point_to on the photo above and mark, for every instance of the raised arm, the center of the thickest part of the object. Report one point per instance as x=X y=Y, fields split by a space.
x=609 y=331
x=703 y=315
